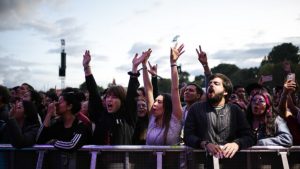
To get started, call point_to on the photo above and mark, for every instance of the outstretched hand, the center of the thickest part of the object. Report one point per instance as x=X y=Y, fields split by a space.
x=86 y=58
x=139 y=59
x=146 y=56
x=153 y=69
x=202 y=57
x=176 y=52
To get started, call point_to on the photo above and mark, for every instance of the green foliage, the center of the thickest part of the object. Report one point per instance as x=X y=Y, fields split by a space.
x=226 y=69
x=266 y=69
x=244 y=77
x=284 y=51
x=164 y=85
x=83 y=87
x=200 y=80
x=183 y=77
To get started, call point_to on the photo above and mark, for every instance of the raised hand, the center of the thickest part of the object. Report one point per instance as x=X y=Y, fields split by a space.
x=12 y=111
x=202 y=57
x=136 y=60
x=176 y=52
x=139 y=59
x=86 y=59
x=153 y=69
x=289 y=86
x=146 y=56
x=51 y=111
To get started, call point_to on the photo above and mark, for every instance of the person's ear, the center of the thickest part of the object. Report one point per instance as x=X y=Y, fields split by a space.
x=69 y=107
x=199 y=96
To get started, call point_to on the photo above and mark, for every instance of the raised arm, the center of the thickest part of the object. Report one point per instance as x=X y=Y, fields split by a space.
x=147 y=84
x=132 y=88
x=288 y=87
x=95 y=107
x=153 y=71
x=176 y=104
x=202 y=57
x=86 y=63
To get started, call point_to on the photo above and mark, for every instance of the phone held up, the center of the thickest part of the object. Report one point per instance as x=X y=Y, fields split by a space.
x=291 y=76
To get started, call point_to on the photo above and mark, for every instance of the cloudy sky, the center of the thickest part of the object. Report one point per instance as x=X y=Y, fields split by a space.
x=230 y=31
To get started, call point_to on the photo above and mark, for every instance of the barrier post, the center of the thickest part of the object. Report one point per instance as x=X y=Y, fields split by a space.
x=284 y=159
x=39 y=163
x=127 y=164
x=159 y=160
x=93 y=159
x=216 y=163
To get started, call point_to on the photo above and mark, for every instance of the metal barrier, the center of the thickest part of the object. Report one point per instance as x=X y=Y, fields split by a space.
x=127 y=157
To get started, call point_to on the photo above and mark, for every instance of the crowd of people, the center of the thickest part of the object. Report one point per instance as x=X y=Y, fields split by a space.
x=222 y=120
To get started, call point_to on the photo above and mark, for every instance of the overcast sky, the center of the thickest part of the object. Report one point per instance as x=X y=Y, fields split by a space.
x=230 y=31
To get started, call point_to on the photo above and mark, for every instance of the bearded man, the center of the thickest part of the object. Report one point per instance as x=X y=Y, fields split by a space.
x=215 y=125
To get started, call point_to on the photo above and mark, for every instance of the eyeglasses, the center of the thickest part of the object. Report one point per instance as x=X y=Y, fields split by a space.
x=259 y=100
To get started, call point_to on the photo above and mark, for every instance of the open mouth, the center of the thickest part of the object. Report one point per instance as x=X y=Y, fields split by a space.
x=109 y=106
x=210 y=91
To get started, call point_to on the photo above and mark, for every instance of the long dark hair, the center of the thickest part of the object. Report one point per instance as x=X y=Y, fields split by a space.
x=167 y=104
x=269 y=113
x=30 y=112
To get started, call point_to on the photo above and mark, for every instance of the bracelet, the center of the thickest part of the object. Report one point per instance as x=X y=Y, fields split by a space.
x=134 y=74
x=204 y=65
x=172 y=65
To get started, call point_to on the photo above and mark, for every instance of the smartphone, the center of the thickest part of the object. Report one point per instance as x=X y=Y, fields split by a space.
x=291 y=76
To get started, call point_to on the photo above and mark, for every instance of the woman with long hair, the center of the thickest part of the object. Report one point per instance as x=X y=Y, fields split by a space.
x=267 y=126
x=165 y=112
x=22 y=125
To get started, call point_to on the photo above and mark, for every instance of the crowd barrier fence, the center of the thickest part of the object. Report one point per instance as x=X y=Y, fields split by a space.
x=144 y=157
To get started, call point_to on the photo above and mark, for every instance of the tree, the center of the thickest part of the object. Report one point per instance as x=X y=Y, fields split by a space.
x=164 y=85
x=200 y=80
x=244 y=77
x=226 y=69
x=284 y=51
x=83 y=87
x=184 y=77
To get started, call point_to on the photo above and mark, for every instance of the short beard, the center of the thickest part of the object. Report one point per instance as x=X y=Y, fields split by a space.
x=216 y=99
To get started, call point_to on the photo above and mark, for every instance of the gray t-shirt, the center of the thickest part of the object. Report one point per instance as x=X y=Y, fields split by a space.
x=155 y=133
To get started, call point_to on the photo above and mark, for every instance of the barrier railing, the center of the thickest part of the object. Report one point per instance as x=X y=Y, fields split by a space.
x=92 y=156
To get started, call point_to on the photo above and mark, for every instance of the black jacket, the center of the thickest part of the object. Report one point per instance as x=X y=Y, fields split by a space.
x=65 y=138
x=19 y=137
x=196 y=126
x=112 y=128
